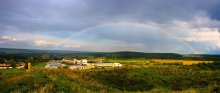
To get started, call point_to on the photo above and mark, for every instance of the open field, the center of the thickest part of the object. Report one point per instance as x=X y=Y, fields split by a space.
x=139 y=77
x=140 y=72
x=184 y=62
x=109 y=46
x=160 y=61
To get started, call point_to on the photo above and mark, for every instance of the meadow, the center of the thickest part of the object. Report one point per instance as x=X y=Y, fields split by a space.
x=184 y=62
x=135 y=76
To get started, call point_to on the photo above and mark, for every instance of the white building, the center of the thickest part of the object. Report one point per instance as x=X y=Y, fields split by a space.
x=75 y=61
x=69 y=61
x=53 y=64
x=117 y=64
x=80 y=67
x=82 y=62
x=107 y=64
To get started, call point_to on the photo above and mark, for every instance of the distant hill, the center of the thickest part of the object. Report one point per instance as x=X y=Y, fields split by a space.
x=121 y=55
x=129 y=54
x=113 y=55
x=211 y=57
x=13 y=50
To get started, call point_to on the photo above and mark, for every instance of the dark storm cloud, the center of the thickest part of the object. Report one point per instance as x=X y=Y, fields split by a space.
x=62 y=18
x=75 y=15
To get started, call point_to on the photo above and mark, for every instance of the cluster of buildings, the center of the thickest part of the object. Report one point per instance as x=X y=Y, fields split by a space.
x=12 y=65
x=79 y=64
x=75 y=61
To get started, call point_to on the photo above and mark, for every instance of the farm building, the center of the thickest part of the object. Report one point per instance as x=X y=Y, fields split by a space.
x=69 y=61
x=5 y=65
x=82 y=62
x=107 y=64
x=76 y=64
x=80 y=67
x=75 y=61
x=117 y=64
x=12 y=65
x=53 y=64
x=18 y=64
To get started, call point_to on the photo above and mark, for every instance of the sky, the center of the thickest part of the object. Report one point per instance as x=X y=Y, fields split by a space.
x=155 y=26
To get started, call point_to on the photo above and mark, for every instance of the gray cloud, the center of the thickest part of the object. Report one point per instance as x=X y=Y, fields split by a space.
x=74 y=15
x=61 y=19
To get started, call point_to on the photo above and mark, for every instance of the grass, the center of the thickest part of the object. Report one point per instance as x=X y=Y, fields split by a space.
x=135 y=76
x=40 y=65
x=11 y=71
x=160 y=61
x=184 y=62
x=156 y=77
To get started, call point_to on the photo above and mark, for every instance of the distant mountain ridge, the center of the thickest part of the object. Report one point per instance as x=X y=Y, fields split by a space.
x=66 y=53
x=15 y=50
x=120 y=54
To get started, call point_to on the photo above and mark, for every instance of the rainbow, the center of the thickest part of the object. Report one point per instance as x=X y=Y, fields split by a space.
x=143 y=25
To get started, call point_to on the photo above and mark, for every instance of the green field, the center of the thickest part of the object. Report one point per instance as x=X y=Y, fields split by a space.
x=135 y=76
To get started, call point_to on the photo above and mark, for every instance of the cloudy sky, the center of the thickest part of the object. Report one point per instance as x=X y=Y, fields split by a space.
x=174 y=26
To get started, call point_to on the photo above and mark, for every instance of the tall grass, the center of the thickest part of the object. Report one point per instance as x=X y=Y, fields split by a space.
x=129 y=78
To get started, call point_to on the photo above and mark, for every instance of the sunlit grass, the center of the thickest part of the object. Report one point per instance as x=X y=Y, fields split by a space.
x=130 y=78
x=184 y=62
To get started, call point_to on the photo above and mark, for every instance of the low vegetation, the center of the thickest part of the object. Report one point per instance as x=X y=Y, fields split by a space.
x=141 y=72
x=145 y=76
x=184 y=62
